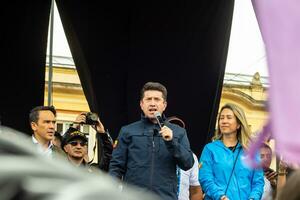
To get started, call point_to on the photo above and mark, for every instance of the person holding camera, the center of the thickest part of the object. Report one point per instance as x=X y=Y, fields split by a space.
x=74 y=142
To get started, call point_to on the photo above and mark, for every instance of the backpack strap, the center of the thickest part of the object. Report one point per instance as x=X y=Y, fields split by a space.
x=176 y=120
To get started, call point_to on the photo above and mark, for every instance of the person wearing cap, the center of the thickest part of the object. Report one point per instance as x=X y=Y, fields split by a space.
x=75 y=146
x=75 y=143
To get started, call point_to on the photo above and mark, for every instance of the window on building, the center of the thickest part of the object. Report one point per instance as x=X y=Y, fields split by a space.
x=59 y=127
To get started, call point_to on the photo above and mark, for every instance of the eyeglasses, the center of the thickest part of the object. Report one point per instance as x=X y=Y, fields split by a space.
x=75 y=143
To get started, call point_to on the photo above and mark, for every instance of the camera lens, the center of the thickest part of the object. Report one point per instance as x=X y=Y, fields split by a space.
x=93 y=117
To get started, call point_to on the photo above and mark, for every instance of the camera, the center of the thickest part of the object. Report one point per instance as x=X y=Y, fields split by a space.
x=91 y=118
x=268 y=170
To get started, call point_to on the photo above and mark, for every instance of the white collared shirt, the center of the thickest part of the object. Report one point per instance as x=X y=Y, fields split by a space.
x=186 y=179
x=45 y=152
x=267 y=195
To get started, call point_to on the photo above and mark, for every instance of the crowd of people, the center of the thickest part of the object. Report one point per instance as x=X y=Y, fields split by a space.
x=156 y=156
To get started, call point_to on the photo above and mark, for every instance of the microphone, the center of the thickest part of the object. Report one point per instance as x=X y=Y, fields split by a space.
x=161 y=123
x=159 y=119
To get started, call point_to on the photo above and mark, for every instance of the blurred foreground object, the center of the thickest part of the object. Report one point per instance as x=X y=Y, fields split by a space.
x=279 y=22
x=291 y=189
x=25 y=174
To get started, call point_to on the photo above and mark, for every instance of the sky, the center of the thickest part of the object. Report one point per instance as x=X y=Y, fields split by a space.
x=60 y=44
x=246 y=54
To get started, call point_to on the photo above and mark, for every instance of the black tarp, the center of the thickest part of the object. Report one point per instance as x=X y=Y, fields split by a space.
x=23 y=39
x=117 y=47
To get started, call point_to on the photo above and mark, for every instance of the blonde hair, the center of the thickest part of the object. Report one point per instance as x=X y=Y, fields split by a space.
x=243 y=133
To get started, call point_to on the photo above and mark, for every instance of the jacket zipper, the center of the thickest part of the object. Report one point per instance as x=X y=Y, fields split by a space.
x=152 y=162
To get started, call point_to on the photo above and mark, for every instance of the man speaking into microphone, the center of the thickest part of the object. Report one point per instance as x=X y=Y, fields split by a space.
x=148 y=150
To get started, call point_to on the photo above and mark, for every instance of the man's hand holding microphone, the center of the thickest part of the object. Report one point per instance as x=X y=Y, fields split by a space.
x=166 y=132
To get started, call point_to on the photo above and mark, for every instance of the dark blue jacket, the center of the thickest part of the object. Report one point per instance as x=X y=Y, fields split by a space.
x=144 y=159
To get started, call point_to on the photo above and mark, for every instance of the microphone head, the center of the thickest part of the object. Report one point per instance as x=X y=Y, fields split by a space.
x=159 y=119
x=157 y=114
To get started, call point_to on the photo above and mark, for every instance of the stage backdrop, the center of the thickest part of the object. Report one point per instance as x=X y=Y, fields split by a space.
x=23 y=39
x=117 y=47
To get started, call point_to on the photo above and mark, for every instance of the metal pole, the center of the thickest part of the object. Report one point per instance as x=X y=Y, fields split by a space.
x=50 y=67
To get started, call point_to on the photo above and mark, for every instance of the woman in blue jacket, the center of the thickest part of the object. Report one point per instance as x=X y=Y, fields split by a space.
x=223 y=174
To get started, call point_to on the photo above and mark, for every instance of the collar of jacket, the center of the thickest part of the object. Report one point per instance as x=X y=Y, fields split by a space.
x=221 y=144
x=150 y=128
x=146 y=119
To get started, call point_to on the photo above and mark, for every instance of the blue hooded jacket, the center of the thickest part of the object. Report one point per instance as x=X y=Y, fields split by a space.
x=217 y=164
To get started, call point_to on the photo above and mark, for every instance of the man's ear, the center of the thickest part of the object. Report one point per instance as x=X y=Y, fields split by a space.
x=165 y=105
x=65 y=148
x=33 y=126
x=141 y=103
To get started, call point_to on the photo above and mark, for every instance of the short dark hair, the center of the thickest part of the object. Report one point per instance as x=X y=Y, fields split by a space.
x=34 y=113
x=58 y=136
x=154 y=86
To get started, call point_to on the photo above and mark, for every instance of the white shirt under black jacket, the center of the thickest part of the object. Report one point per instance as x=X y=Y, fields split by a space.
x=186 y=179
x=46 y=152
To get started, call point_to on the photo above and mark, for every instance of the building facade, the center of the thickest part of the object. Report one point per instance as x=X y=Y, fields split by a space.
x=250 y=93
x=247 y=91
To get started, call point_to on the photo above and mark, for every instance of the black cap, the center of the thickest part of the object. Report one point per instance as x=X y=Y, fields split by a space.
x=71 y=134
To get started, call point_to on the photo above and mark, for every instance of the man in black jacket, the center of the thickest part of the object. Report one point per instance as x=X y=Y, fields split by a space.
x=146 y=154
